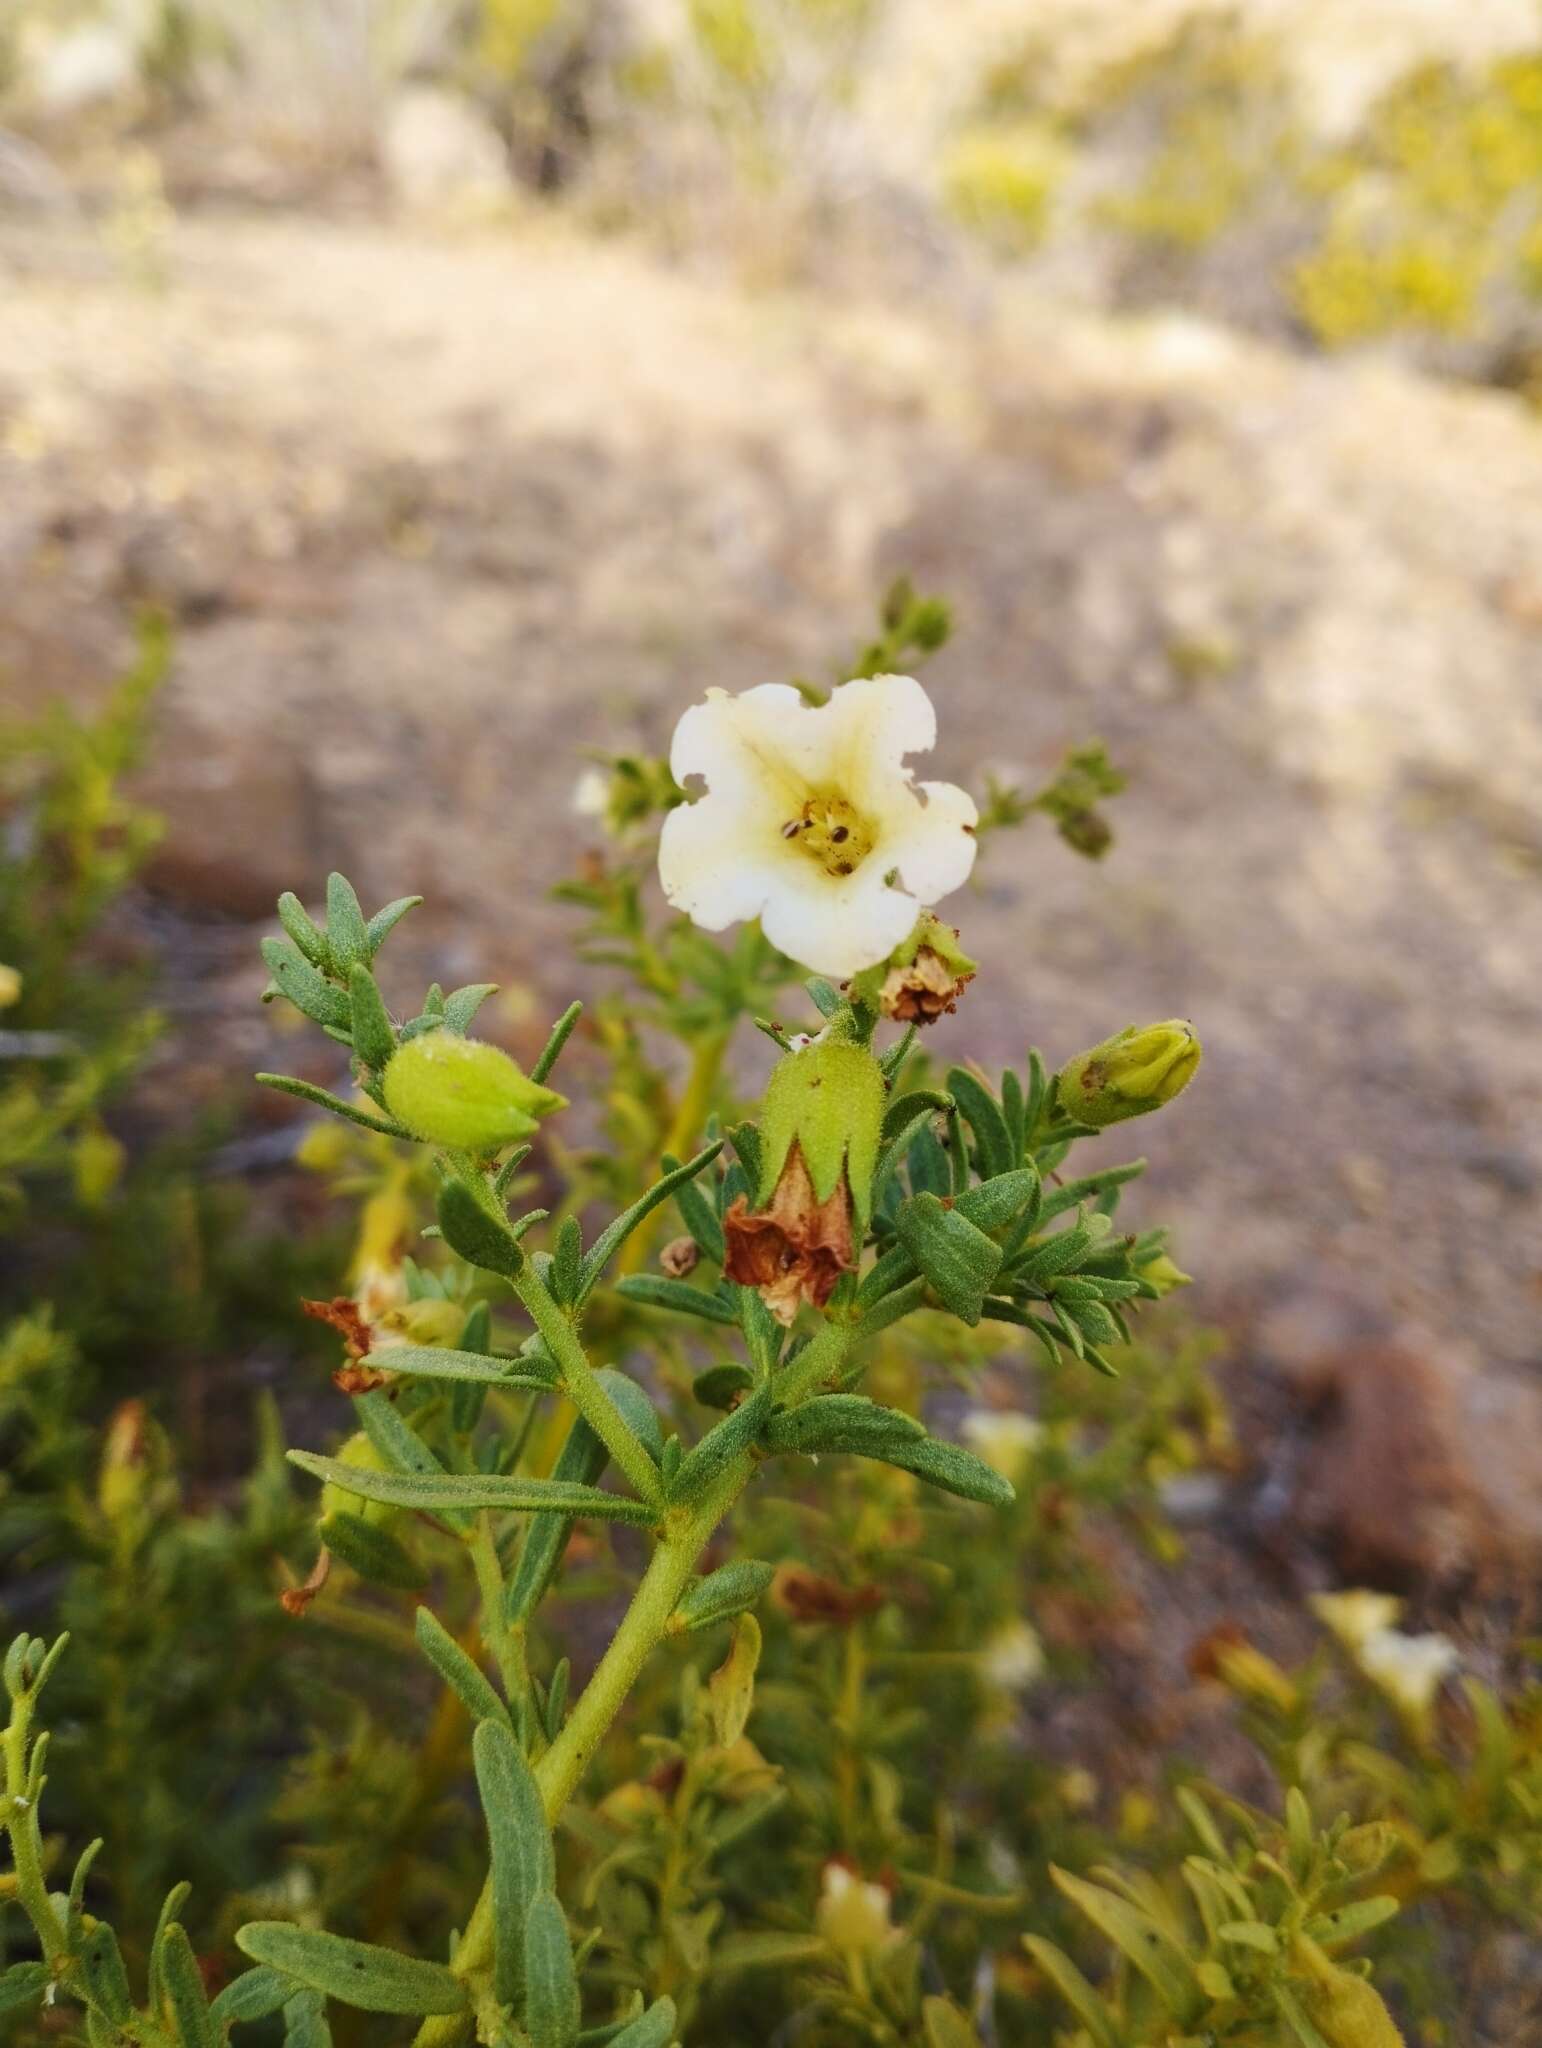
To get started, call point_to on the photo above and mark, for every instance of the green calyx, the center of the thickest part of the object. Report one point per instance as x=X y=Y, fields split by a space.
x=827 y=1099
x=459 y=1092
x=1130 y=1074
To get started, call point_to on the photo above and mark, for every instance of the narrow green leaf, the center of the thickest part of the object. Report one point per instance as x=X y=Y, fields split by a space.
x=721 y=1385
x=428 y=1362
x=653 y=1290
x=551 y=1987
x=732 y=1589
x=1088 y=1189
x=305 y=2021
x=185 y=1995
x=374 y=1553
x=565 y=1262
x=842 y=1422
x=953 y=1470
x=1352 y=1922
x=519 y=1836
x=945 y=2026
x=903 y=1111
x=698 y=1216
x=373 y=1979
x=995 y=1202
x=561 y=1032
x=724 y=1441
x=1075 y=1990
x=768 y=1950
x=101 y=1968
x=982 y=1113
x=462 y=1004
x=306 y=1091
x=611 y=1239
x=480 y=1238
x=347 y=933
x=433 y=1493
x=384 y=922
x=21 y=1984
x=1139 y=1939
x=957 y=1258
x=374 y=1035
x=461 y=1674
x=311 y=993
x=824 y=995
x=581 y=1461
x=307 y=936
x=653 y=2029
x=251 y=1996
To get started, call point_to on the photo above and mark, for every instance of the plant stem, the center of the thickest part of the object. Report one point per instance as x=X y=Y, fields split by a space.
x=584 y=1390
x=20 y=1823
x=560 y=1770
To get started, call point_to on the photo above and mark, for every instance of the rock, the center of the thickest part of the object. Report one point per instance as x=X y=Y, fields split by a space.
x=439 y=154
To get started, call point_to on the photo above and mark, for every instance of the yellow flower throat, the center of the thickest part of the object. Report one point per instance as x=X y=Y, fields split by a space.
x=832 y=832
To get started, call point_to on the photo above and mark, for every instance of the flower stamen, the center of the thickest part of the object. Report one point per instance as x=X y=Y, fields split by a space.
x=832 y=832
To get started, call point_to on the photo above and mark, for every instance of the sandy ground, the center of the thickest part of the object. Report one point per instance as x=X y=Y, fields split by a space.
x=435 y=514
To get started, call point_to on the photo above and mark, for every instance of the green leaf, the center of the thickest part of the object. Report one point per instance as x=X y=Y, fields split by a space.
x=582 y=1460
x=183 y=1984
x=721 y=1385
x=519 y=1835
x=461 y=1006
x=286 y=1084
x=374 y=1035
x=1075 y=1990
x=653 y=1290
x=311 y=993
x=561 y=1032
x=102 y=1972
x=724 y=1441
x=384 y=922
x=1250 y=1934
x=479 y=1237
x=611 y=1239
x=698 y=1216
x=958 y=1259
x=732 y=1589
x=945 y=2026
x=842 y=1422
x=461 y=1674
x=824 y=995
x=21 y=1984
x=1351 y=1922
x=1138 y=1937
x=551 y=1987
x=1090 y=1188
x=1306 y=2034
x=428 y=1362
x=981 y=1112
x=434 y=1492
x=308 y=937
x=251 y=1996
x=954 y=1470
x=565 y=1262
x=1059 y=1253
x=373 y=1979
x=769 y=1950
x=995 y=1202
x=374 y=1553
x=653 y=2029
x=305 y=2021
x=347 y=933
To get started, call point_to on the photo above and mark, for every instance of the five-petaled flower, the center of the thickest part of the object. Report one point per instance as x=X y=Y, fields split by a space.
x=812 y=822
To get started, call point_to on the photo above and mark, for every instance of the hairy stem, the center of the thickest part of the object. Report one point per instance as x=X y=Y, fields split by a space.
x=584 y=1390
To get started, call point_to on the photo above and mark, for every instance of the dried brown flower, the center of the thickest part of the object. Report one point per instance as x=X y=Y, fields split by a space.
x=797 y=1247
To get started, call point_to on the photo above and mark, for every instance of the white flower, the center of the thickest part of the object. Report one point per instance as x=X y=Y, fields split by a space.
x=1409 y=1669
x=853 y=1915
x=811 y=821
x=1013 y=1658
x=591 y=794
x=1356 y=1615
x=1003 y=1438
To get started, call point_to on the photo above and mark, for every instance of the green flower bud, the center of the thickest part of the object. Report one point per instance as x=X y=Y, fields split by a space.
x=1130 y=1074
x=827 y=1099
x=1346 y=2010
x=459 y=1092
x=362 y=1455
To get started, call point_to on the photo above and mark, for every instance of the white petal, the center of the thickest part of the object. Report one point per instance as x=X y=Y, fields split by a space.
x=869 y=726
x=837 y=927
x=931 y=842
x=740 y=746
x=716 y=862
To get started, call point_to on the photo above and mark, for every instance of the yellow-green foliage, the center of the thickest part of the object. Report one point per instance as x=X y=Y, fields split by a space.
x=732 y=38
x=1440 y=201
x=1001 y=179
x=510 y=31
